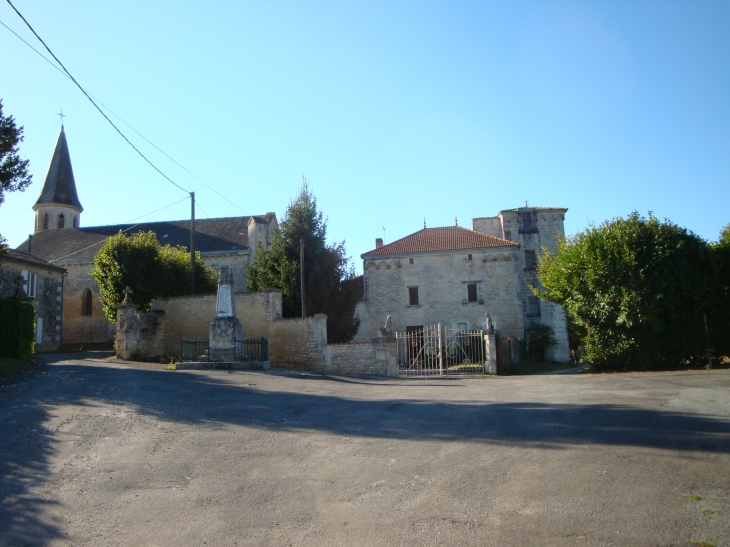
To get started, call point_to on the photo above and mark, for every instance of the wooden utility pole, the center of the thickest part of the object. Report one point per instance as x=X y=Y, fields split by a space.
x=301 y=275
x=192 y=242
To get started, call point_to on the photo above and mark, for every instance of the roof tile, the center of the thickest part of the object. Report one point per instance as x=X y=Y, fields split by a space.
x=449 y=238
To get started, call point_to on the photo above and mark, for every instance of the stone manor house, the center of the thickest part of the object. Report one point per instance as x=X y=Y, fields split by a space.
x=62 y=243
x=455 y=276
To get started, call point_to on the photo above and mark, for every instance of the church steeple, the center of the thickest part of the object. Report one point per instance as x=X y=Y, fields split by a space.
x=58 y=205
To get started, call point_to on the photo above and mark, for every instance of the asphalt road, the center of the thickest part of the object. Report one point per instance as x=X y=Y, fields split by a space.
x=95 y=453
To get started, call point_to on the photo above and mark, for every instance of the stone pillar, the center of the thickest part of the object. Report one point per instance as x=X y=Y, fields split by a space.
x=490 y=346
x=127 y=341
x=225 y=327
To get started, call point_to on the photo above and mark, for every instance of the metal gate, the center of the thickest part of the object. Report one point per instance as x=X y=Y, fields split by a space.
x=437 y=350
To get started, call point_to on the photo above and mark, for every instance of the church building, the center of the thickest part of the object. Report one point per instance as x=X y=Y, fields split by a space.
x=60 y=240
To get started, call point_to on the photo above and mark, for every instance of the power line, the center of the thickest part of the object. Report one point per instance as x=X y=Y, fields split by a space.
x=92 y=100
x=122 y=231
x=127 y=124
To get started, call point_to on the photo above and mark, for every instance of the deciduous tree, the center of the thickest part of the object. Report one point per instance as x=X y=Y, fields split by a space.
x=638 y=286
x=148 y=268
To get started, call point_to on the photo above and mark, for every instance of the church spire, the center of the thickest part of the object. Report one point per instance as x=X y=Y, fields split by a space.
x=60 y=186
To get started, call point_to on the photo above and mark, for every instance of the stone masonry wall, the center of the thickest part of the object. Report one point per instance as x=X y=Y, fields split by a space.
x=441 y=279
x=365 y=358
x=190 y=316
x=299 y=342
x=83 y=330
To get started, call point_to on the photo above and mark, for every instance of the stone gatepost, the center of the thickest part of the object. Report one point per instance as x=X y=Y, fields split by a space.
x=226 y=327
x=127 y=341
x=490 y=343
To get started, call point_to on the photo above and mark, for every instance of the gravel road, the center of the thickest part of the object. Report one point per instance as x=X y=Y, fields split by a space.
x=104 y=453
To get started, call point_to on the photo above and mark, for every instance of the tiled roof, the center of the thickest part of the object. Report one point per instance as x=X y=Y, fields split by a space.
x=212 y=234
x=17 y=256
x=450 y=238
x=60 y=186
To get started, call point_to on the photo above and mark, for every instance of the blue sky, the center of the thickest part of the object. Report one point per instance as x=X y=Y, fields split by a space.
x=394 y=111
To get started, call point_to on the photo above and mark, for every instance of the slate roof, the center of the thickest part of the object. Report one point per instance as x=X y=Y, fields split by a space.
x=449 y=238
x=25 y=258
x=212 y=234
x=60 y=186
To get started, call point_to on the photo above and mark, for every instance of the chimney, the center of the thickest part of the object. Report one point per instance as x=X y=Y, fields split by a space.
x=378 y=242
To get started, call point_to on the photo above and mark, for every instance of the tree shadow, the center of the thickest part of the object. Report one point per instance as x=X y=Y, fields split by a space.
x=191 y=398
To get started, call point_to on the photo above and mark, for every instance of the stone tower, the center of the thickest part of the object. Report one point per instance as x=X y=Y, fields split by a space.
x=58 y=206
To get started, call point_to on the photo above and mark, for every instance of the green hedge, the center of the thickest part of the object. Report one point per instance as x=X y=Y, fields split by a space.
x=17 y=329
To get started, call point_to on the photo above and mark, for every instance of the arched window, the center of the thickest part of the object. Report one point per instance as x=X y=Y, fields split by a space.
x=61 y=221
x=74 y=222
x=45 y=222
x=86 y=303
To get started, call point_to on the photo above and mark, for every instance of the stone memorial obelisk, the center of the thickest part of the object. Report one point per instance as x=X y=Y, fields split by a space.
x=226 y=327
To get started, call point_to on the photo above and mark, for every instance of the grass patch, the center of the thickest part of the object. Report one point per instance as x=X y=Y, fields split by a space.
x=694 y=497
x=708 y=512
x=702 y=543
x=534 y=367
x=13 y=367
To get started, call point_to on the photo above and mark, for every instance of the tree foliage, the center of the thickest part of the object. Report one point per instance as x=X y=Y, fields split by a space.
x=328 y=272
x=148 y=268
x=719 y=313
x=640 y=288
x=14 y=174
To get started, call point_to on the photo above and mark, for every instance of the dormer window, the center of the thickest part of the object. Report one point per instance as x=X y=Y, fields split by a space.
x=61 y=221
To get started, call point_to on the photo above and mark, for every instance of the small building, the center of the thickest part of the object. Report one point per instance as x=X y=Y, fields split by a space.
x=455 y=276
x=21 y=275
x=60 y=239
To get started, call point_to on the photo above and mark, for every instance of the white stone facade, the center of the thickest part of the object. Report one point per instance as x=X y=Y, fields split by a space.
x=499 y=276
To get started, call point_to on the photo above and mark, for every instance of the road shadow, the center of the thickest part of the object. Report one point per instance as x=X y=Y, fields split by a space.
x=211 y=399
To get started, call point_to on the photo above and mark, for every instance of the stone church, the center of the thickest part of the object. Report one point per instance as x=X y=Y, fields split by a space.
x=60 y=240
x=455 y=276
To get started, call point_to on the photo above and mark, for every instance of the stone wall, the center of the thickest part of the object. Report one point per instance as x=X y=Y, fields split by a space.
x=88 y=331
x=140 y=335
x=238 y=261
x=366 y=358
x=441 y=278
x=299 y=342
x=190 y=316
x=47 y=302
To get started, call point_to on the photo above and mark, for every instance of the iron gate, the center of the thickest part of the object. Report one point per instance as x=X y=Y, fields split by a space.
x=436 y=350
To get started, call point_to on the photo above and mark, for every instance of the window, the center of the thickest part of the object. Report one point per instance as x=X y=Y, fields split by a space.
x=508 y=235
x=61 y=221
x=74 y=222
x=413 y=296
x=529 y=260
x=410 y=261
x=30 y=283
x=527 y=222
x=533 y=306
x=45 y=222
x=471 y=292
x=86 y=304
x=469 y=257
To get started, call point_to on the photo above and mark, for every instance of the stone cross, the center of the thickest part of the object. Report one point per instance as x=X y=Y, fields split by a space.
x=127 y=291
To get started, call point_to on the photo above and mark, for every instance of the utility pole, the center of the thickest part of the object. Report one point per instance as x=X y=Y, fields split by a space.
x=301 y=275
x=707 y=333
x=192 y=242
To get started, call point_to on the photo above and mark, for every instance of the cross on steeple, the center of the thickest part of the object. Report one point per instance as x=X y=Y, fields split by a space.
x=62 y=116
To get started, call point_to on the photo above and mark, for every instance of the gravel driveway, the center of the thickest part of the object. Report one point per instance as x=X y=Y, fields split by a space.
x=103 y=453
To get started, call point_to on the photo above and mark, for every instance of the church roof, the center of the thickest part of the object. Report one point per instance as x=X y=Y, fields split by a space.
x=211 y=235
x=60 y=186
x=449 y=238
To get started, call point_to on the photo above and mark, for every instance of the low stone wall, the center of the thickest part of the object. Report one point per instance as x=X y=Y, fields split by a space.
x=362 y=358
x=293 y=343
x=298 y=342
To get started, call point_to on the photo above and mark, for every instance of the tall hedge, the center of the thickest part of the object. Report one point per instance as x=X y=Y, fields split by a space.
x=17 y=329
